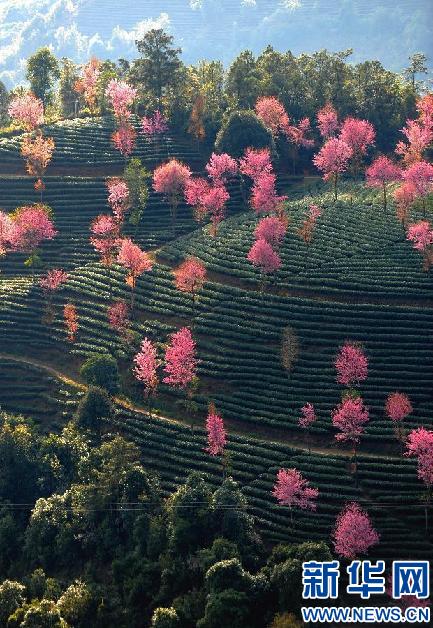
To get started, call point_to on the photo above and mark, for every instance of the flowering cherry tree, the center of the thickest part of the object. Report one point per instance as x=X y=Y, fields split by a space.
x=6 y=229
x=121 y=96
x=32 y=225
x=154 y=125
x=306 y=230
x=27 y=110
x=420 y=176
x=397 y=408
x=327 y=121
x=221 y=167
x=292 y=489
x=37 y=152
x=350 y=417
x=118 y=318
x=263 y=256
x=404 y=197
x=208 y=200
x=146 y=369
x=354 y=533
x=124 y=139
x=264 y=197
x=180 y=359
x=382 y=172
x=272 y=113
x=271 y=229
x=351 y=364
x=306 y=420
x=189 y=277
x=170 y=179
x=421 y=236
x=135 y=261
x=118 y=198
x=332 y=159
x=105 y=238
x=358 y=135
x=420 y=444
x=216 y=433
x=50 y=283
x=256 y=162
x=71 y=321
x=87 y=84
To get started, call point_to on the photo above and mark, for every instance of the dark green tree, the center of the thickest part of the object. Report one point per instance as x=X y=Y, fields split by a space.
x=418 y=65
x=42 y=72
x=242 y=130
x=94 y=406
x=68 y=97
x=137 y=177
x=100 y=369
x=158 y=66
x=242 y=85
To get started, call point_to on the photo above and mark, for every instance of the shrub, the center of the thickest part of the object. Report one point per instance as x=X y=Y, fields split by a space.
x=243 y=129
x=100 y=369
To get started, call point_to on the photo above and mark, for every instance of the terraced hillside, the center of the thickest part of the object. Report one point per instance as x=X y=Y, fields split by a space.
x=358 y=280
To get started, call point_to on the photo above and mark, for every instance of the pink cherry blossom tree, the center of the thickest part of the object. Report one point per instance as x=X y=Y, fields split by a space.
x=263 y=256
x=359 y=135
x=272 y=113
x=420 y=176
x=124 y=139
x=306 y=420
x=136 y=262
x=421 y=236
x=256 y=162
x=121 y=95
x=180 y=359
x=332 y=159
x=32 y=225
x=189 y=277
x=381 y=173
x=146 y=370
x=155 y=125
x=292 y=489
x=271 y=229
x=264 y=197
x=298 y=136
x=208 y=200
x=216 y=433
x=118 y=198
x=6 y=233
x=418 y=136
x=118 y=318
x=170 y=179
x=327 y=121
x=420 y=444
x=397 y=408
x=27 y=110
x=350 y=417
x=50 y=283
x=105 y=239
x=351 y=364
x=354 y=533
x=88 y=83
x=220 y=168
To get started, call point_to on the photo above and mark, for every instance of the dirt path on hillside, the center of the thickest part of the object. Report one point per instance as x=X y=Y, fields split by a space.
x=252 y=432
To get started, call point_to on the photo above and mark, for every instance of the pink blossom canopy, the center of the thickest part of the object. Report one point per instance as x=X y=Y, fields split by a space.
x=180 y=361
x=262 y=255
x=216 y=434
x=351 y=364
x=292 y=489
x=354 y=533
x=350 y=417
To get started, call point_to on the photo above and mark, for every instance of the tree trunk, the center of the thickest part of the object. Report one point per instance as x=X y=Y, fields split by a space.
x=385 y=200
x=335 y=186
